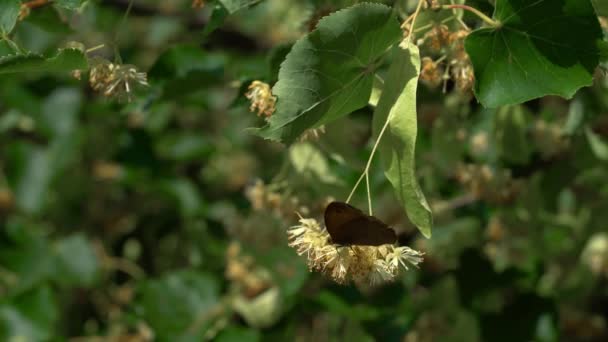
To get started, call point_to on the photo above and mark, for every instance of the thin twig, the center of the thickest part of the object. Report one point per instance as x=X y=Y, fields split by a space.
x=35 y=3
x=475 y=11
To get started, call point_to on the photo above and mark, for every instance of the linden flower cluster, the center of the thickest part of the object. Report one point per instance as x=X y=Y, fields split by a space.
x=361 y=264
x=115 y=79
x=261 y=98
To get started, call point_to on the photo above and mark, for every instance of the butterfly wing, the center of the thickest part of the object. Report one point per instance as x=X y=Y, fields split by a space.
x=338 y=214
x=365 y=231
x=348 y=225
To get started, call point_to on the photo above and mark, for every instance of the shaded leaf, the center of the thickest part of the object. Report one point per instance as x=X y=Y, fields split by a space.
x=30 y=316
x=183 y=147
x=511 y=129
x=306 y=159
x=187 y=68
x=69 y=4
x=597 y=144
x=65 y=60
x=218 y=15
x=9 y=12
x=76 y=261
x=601 y=7
x=235 y=5
x=329 y=72
x=397 y=104
x=173 y=303
x=28 y=256
x=545 y=47
x=237 y=334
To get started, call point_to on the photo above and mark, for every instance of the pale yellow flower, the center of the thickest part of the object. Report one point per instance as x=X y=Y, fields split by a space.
x=360 y=264
x=261 y=98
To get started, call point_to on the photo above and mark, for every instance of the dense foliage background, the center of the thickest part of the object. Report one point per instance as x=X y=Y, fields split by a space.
x=154 y=215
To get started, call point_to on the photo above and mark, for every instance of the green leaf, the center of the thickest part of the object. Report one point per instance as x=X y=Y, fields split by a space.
x=511 y=131
x=544 y=47
x=329 y=72
x=397 y=104
x=601 y=7
x=186 y=195
x=9 y=12
x=33 y=175
x=77 y=263
x=30 y=316
x=183 y=147
x=28 y=256
x=237 y=334
x=65 y=60
x=235 y=5
x=307 y=159
x=187 y=68
x=218 y=15
x=172 y=304
x=69 y=4
x=597 y=144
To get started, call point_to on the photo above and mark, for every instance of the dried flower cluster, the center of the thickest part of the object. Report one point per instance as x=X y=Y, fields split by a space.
x=266 y=197
x=452 y=63
x=312 y=134
x=261 y=98
x=549 y=138
x=115 y=80
x=494 y=186
x=254 y=295
x=431 y=72
x=360 y=264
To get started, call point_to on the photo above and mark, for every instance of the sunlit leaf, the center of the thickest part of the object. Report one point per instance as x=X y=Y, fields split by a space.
x=397 y=105
x=307 y=159
x=235 y=5
x=543 y=47
x=329 y=72
x=9 y=12
x=77 y=263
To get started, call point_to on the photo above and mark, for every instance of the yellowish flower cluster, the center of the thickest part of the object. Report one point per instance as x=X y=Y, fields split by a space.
x=360 y=264
x=115 y=79
x=261 y=98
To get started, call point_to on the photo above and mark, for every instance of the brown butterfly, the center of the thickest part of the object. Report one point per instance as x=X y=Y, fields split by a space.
x=348 y=225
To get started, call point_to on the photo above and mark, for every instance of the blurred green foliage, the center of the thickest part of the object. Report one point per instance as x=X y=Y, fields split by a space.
x=158 y=217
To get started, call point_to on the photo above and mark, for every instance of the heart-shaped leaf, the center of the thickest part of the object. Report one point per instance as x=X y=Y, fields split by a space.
x=538 y=48
x=397 y=147
x=329 y=72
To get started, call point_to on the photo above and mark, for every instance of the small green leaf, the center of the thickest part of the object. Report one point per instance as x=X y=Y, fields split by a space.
x=65 y=60
x=174 y=303
x=545 y=47
x=218 y=15
x=183 y=69
x=69 y=4
x=397 y=104
x=183 y=147
x=9 y=12
x=76 y=261
x=597 y=144
x=511 y=130
x=307 y=159
x=601 y=7
x=329 y=73
x=30 y=316
x=235 y=5
x=238 y=334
